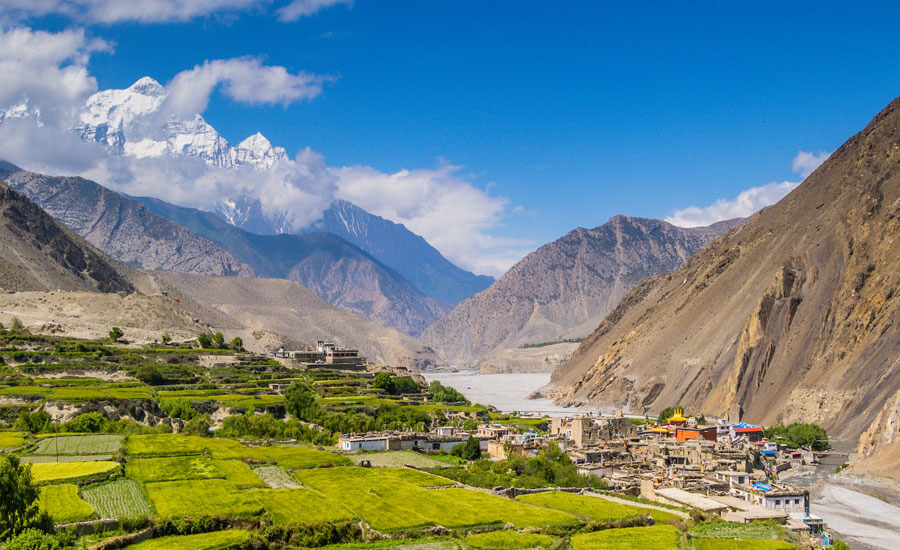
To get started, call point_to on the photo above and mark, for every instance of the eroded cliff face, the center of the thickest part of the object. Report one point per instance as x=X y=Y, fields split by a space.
x=792 y=316
x=879 y=446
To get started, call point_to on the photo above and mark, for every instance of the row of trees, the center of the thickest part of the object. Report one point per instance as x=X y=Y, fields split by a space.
x=217 y=341
x=799 y=434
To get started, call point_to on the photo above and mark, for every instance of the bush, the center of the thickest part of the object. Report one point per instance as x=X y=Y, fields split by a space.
x=115 y=333
x=86 y=423
x=445 y=394
x=204 y=340
x=237 y=344
x=219 y=340
x=199 y=425
x=151 y=375
x=15 y=324
x=35 y=422
x=33 y=539
x=165 y=338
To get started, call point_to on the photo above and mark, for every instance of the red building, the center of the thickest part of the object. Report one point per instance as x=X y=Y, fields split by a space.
x=709 y=433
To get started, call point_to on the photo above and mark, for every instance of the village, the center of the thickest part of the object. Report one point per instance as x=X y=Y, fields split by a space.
x=725 y=470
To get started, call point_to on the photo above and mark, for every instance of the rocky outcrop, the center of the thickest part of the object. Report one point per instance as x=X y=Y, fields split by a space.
x=121 y=226
x=879 y=446
x=565 y=288
x=793 y=316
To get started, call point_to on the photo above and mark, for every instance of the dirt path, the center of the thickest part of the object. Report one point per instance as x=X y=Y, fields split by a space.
x=639 y=504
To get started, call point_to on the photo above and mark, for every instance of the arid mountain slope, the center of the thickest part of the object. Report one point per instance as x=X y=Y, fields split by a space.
x=268 y=313
x=565 y=288
x=336 y=270
x=795 y=315
x=39 y=253
x=122 y=227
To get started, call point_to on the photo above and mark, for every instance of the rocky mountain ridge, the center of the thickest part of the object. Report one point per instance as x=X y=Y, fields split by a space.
x=794 y=316
x=564 y=288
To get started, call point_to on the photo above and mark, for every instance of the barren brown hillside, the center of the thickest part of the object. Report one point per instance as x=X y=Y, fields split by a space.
x=795 y=315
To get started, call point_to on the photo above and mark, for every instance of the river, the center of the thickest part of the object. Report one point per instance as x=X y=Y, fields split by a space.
x=507 y=392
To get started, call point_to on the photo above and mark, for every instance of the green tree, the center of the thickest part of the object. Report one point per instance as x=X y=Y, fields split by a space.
x=19 y=506
x=115 y=333
x=384 y=382
x=665 y=414
x=470 y=424
x=166 y=339
x=150 y=374
x=219 y=340
x=35 y=422
x=204 y=340
x=300 y=401
x=33 y=539
x=15 y=324
x=91 y=422
x=237 y=344
x=199 y=425
x=471 y=450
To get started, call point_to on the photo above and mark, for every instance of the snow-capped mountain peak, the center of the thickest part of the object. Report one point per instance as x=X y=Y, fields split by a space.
x=148 y=86
x=258 y=151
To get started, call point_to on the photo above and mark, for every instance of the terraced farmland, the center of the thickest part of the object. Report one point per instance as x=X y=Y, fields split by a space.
x=79 y=445
x=300 y=506
x=656 y=537
x=51 y=471
x=276 y=478
x=239 y=474
x=593 y=508
x=63 y=503
x=118 y=499
x=501 y=540
x=214 y=497
x=11 y=439
x=293 y=458
x=171 y=468
x=219 y=540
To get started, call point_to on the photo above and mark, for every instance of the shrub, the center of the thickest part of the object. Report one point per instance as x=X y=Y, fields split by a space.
x=219 y=340
x=204 y=340
x=33 y=539
x=165 y=338
x=19 y=500
x=237 y=344
x=115 y=333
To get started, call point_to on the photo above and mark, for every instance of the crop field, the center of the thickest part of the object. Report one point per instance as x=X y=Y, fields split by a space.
x=390 y=500
x=218 y=540
x=171 y=468
x=239 y=474
x=503 y=540
x=276 y=478
x=398 y=459
x=720 y=544
x=426 y=544
x=293 y=458
x=656 y=537
x=50 y=471
x=719 y=529
x=300 y=506
x=117 y=499
x=213 y=497
x=593 y=508
x=63 y=458
x=79 y=445
x=63 y=503
x=10 y=440
x=176 y=444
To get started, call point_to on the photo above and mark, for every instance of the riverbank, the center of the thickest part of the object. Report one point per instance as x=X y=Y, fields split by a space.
x=508 y=392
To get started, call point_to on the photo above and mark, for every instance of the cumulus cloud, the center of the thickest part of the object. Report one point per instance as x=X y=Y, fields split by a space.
x=805 y=163
x=47 y=71
x=751 y=200
x=451 y=213
x=113 y=11
x=245 y=80
x=303 y=8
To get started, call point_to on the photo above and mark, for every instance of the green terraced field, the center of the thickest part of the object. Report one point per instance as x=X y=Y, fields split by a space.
x=118 y=499
x=390 y=500
x=63 y=503
x=176 y=444
x=656 y=537
x=301 y=506
x=593 y=508
x=398 y=459
x=503 y=540
x=293 y=458
x=218 y=540
x=10 y=440
x=239 y=474
x=172 y=468
x=212 y=497
x=720 y=544
x=79 y=445
x=50 y=471
x=63 y=458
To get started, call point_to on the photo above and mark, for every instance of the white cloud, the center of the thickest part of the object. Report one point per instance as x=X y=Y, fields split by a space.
x=751 y=200
x=244 y=79
x=451 y=213
x=113 y=11
x=303 y=8
x=48 y=71
x=805 y=163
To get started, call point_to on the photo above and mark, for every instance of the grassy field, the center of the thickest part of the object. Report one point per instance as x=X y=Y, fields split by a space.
x=415 y=544
x=63 y=503
x=720 y=544
x=51 y=471
x=718 y=529
x=293 y=458
x=390 y=500
x=398 y=459
x=10 y=440
x=239 y=474
x=219 y=540
x=63 y=458
x=79 y=445
x=177 y=444
x=118 y=499
x=656 y=537
x=300 y=506
x=212 y=497
x=593 y=508
x=172 y=468
x=503 y=540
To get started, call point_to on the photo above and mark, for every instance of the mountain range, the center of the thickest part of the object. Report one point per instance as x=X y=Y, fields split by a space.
x=793 y=316
x=563 y=289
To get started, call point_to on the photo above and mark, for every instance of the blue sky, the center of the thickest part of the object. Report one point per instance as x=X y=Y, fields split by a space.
x=573 y=111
